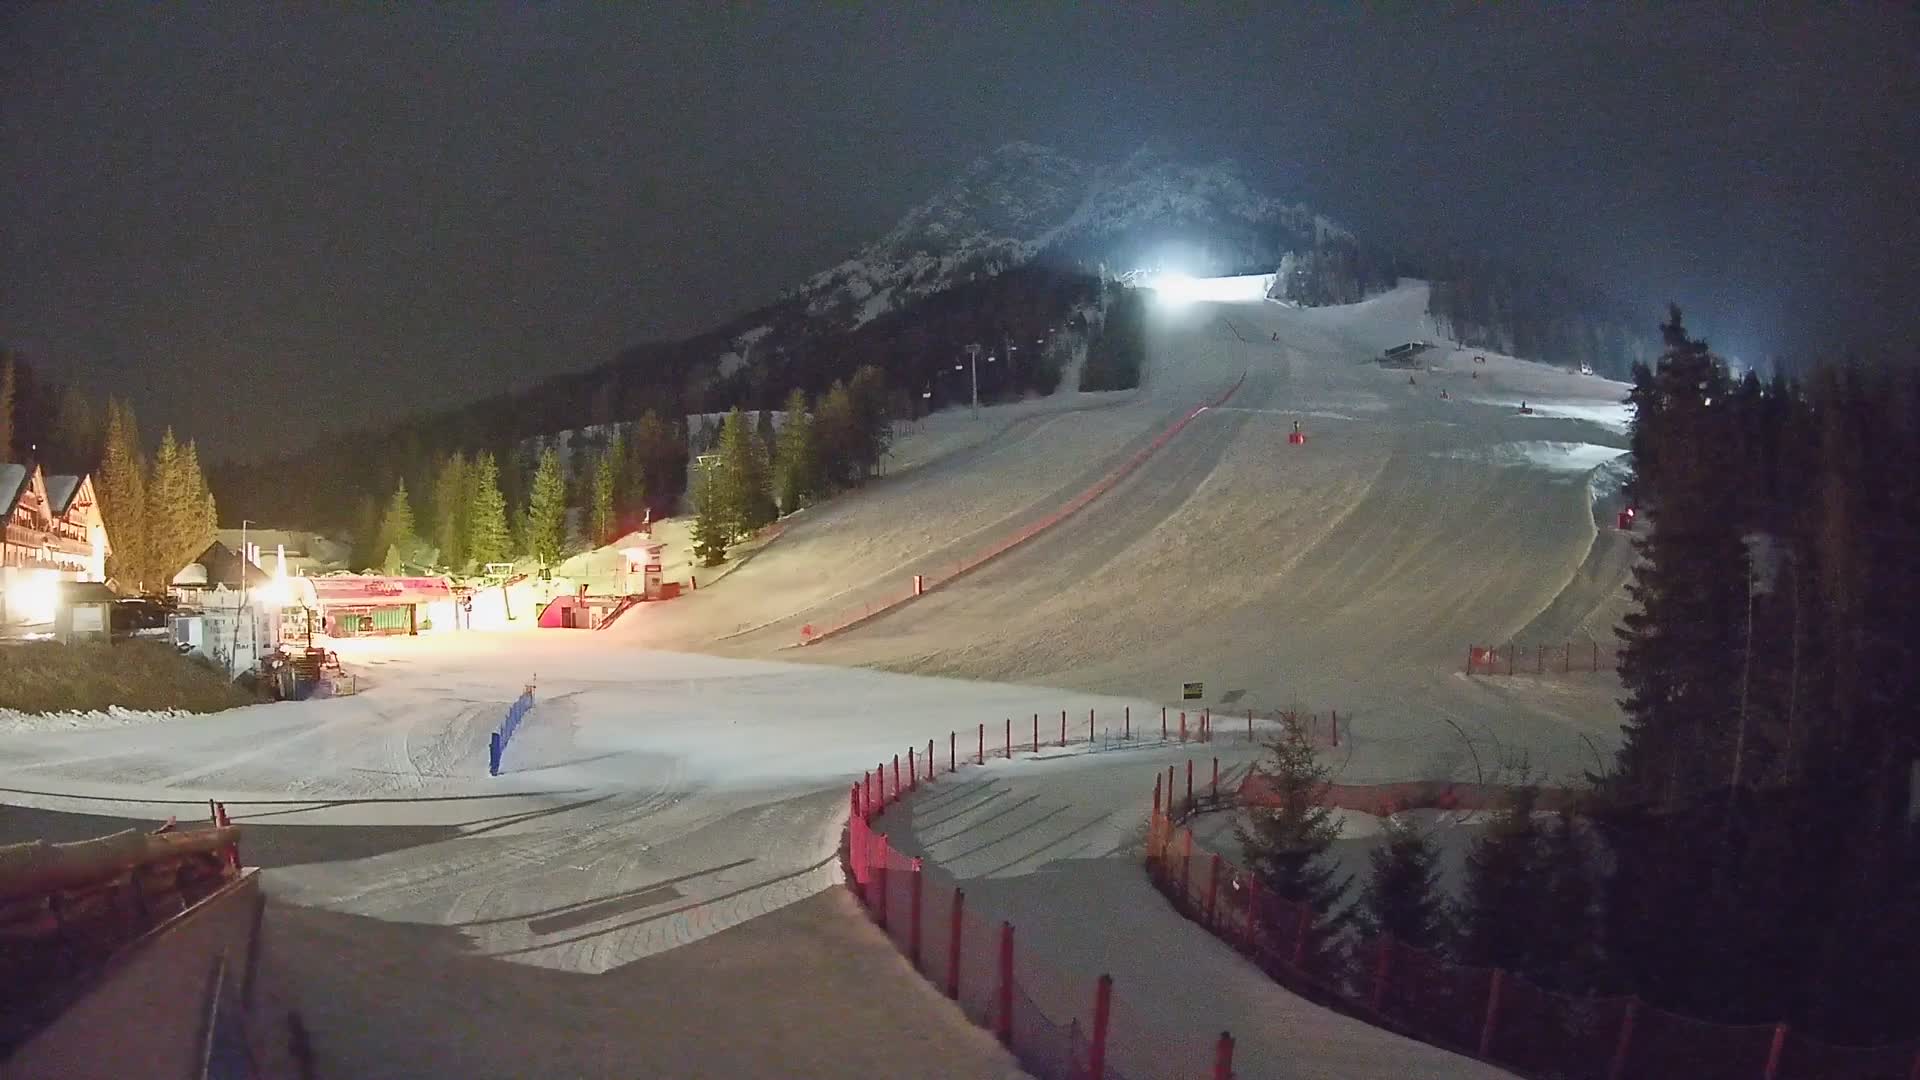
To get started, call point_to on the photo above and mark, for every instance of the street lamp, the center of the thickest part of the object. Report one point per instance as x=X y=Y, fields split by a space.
x=973 y=356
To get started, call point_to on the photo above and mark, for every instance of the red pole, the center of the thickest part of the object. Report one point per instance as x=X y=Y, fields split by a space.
x=1213 y=889
x=853 y=800
x=913 y=772
x=1223 y=1057
x=1005 y=1019
x=1382 y=971
x=1620 y=1047
x=981 y=755
x=1774 y=1051
x=1493 y=1011
x=953 y=945
x=880 y=781
x=913 y=915
x=1186 y=863
x=867 y=779
x=896 y=778
x=880 y=883
x=1169 y=791
x=1102 y=1010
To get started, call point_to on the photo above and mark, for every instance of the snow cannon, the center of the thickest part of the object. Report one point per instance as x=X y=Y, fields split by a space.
x=1298 y=438
x=1625 y=520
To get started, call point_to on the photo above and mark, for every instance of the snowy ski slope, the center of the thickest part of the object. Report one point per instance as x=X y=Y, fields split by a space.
x=662 y=806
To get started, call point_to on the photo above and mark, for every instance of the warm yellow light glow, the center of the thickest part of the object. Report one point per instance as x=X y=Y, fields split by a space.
x=34 y=595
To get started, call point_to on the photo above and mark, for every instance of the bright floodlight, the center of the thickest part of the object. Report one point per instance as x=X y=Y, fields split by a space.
x=1175 y=289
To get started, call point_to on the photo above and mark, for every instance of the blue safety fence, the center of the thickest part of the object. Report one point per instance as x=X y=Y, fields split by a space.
x=498 y=744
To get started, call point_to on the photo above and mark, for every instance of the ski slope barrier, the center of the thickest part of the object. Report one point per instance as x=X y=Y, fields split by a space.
x=923 y=584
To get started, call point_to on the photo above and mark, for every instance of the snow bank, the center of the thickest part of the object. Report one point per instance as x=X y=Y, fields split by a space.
x=1559 y=457
x=19 y=723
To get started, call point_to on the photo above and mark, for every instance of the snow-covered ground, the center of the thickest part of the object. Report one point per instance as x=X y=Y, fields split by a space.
x=660 y=802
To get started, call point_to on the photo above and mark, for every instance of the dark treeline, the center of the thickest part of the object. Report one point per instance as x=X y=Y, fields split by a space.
x=1482 y=304
x=1028 y=321
x=1751 y=856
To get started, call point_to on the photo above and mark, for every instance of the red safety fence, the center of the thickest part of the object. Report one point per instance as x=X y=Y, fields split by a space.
x=1560 y=658
x=1059 y=1025
x=927 y=582
x=1496 y=1016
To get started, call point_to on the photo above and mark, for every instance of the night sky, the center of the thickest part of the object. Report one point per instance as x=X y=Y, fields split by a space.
x=242 y=216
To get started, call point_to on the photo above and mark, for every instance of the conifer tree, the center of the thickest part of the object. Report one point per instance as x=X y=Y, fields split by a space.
x=168 y=521
x=1500 y=903
x=122 y=489
x=601 y=522
x=1287 y=837
x=487 y=538
x=796 y=467
x=838 y=438
x=1402 y=894
x=711 y=530
x=546 y=523
x=741 y=480
x=452 y=501
x=76 y=432
x=396 y=536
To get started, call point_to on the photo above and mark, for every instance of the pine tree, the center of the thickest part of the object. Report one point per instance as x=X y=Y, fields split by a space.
x=77 y=434
x=168 y=495
x=7 y=388
x=122 y=489
x=452 y=502
x=487 y=538
x=838 y=438
x=1567 y=950
x=1286 y=838
x=546 y=523
x=796 y=468
x=396 y=536
x=743 y=485
x=711 y=530
x=1500 y=905
x=605 y=477
x=1402 y=894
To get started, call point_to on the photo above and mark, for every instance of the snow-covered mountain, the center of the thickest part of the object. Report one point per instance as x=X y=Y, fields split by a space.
x=1024 y=201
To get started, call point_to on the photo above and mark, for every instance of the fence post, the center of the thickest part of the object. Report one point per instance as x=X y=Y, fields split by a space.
x=1213 y=890
x=929 y=761
x=1216 y=780
x=1249 y=725
x=1186 y=865
x=1469 y=659
x=913 y=771
x=1253 y=916
x=952 y=741
x=1156 y=794
x=493 y=754
x=1778 y=1046
x=880 y=883
x=1512 y=650
x=1618 y=1067
x=1336 y=727
x=880 y=779
x=1189 y=781
x=1089 y=727
x=1163 y=723
x=1223 y=1057
x=1063 y=727
x=913 y=915
x=1102 y=1010
x=1126 y=723
x=1036 y=733
x=1004 y=1022
x=1382 y=972
x=953 y=944
x=896 y=778
x=1009 y=738
x=980 y=755
x=1493 y=1011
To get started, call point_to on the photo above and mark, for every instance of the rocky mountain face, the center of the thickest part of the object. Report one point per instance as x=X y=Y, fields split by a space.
x=1025 y=202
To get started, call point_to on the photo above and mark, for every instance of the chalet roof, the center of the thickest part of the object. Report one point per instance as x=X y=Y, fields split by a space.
x=60 y=492
x=13 y=481
x=223 y=567
x=87 y=592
